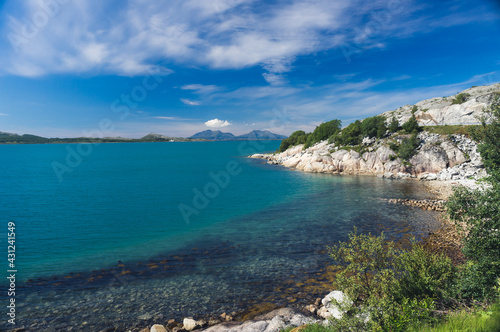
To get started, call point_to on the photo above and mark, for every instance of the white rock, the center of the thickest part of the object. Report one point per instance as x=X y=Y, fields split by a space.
x=333 y=308
x=158 y=328
x=191 y=324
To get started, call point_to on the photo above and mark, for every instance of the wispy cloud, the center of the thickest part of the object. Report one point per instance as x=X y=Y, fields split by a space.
x=220 y=34
x=171 y=118
x=201 y=89
x=3 y=114
x=190 y=102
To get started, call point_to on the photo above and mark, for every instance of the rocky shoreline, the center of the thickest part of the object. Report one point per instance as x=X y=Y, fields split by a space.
x=438 y=157
x=266 y=317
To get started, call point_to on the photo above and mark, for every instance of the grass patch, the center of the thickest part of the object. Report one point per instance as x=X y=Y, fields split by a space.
x=480 y=321
x=451 y=129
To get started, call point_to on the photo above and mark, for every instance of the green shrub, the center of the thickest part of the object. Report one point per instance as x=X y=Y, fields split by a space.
x=394 y=287
x=477 y=214
x=408 y=147
x=351 y=135
x=426 y=275
x=323 y=132
x=411 y=125
x=414 y=109
x=460 y=98
x=298 y=137
x=373 y=127
x=394 y=125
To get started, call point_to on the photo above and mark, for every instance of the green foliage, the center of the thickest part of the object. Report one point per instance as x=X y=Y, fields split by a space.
x=398 y=287
x=351 y=135
x=450 y=129
x=461 y=98
x=477 y=214
x=297 y=137
x=411 y=125
x=394 y=125
x=323 y=132
x=408 y=147
x=489 y=136
x=414 y=109
x=373 y=127
x=477 y=321
x=425 y=275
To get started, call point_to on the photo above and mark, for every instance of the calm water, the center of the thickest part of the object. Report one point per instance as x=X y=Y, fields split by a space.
x=107 y=244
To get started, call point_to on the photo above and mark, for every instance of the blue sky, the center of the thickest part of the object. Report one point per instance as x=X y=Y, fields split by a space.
x=127 y=68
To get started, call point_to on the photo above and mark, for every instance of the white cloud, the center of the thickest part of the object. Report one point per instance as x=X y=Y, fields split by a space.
x=131 y=39
x=216 y=123
x=201 y=89
x=172 y=118
x=3 y=114
x=190 y=102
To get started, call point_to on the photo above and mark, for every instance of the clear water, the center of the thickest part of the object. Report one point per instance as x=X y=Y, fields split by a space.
x=109 y=246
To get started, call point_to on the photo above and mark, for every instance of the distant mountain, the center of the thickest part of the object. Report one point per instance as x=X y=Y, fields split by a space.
x=217 y=135
x=9 y=138
x=261 y=134
x=214 y=135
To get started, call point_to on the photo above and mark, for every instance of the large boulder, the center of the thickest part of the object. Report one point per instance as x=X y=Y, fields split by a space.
x=333 y=305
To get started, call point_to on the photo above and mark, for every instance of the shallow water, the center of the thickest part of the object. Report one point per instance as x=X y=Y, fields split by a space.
x=108 y=246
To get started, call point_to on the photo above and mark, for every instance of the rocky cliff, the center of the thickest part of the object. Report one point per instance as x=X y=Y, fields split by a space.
x=450 y=110
x=437 y=157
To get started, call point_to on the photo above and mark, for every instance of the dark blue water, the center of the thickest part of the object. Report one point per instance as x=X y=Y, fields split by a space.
x=109 y=233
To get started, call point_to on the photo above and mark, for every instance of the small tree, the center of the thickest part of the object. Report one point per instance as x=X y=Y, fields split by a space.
x=408 y=147
x=394 y=125
x=351 y=135
x=411 y=125
x=461 y=98
x=373 y=127
x=477 y=214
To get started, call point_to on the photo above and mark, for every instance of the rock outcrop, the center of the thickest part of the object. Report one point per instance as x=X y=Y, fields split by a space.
x=443 y=111
x=274 y=321
x=437 y=157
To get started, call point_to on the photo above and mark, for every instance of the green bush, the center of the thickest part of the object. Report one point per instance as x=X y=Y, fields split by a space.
x=297 y=137
x=461 y=98
x=408 y=147
x=323 y=132
x=395 y=288
x=351 y=135
x=373 y=127
x=477 y=214
x=426 y=275
x=394 y=125
x=411 y=125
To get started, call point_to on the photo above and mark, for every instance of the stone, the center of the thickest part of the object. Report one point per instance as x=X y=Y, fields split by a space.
x=158 y=328
x=311 y=308
x=190 y=324
x=145 y=316
x=334 y=309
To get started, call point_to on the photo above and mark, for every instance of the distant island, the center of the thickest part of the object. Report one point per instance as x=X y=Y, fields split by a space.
x=207 y=135
x=217 y=135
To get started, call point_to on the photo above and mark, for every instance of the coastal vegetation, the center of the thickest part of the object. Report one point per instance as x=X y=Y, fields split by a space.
x=351 y=137
x=414 y=289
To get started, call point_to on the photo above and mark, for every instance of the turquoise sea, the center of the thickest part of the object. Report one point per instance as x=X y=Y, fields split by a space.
x=128 y=234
